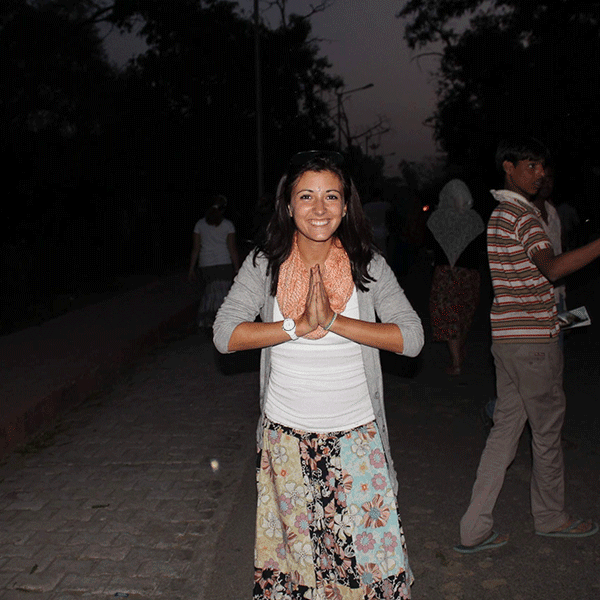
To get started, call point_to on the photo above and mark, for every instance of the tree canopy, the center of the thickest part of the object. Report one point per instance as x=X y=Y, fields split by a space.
x=108 y=169
x=512 y=66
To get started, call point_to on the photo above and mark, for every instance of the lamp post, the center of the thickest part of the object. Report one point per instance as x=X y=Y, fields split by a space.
x=258 y=99
x=339 y=109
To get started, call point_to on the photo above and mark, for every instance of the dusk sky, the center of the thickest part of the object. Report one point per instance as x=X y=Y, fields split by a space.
x=364 y=45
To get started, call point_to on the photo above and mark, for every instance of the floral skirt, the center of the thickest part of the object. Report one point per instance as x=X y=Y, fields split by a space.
x=453 y=300
x=327 y=524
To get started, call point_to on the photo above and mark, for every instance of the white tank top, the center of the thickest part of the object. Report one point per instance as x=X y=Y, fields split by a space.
x=319 y=385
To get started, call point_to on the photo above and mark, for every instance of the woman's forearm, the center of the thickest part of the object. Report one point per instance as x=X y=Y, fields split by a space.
x=250 y=336
x=384 y=336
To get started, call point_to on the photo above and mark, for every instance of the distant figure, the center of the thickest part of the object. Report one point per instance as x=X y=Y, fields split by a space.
x=377 y=211
x=327 y=524
x=570 y=225
x=527 y=355
x=457 y=242
x=214 y=251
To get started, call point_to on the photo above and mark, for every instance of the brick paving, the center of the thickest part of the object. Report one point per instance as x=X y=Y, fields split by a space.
x=129 y=492
x=146 y=490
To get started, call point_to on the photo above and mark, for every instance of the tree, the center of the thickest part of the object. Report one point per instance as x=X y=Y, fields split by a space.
x=125 y=159
x=55 y=90
x=53 y=107
x=191 y=121
x=200 y=61
x=511 y=66
x=295 y=78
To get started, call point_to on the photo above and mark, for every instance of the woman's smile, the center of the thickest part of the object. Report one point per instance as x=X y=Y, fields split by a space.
x=317 y=206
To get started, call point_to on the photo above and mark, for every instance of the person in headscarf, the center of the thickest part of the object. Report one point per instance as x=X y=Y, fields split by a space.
x=457 y=243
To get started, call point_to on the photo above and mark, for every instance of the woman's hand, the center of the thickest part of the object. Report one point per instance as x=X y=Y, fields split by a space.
x=385 y=336
x=308 y=321
x=322 y=307
x=317 y=310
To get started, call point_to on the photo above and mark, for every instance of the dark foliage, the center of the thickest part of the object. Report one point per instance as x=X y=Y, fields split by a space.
x=514 y=66
x=107 y=171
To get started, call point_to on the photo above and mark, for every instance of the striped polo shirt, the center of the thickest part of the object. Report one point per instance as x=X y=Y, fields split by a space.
x=523 y=310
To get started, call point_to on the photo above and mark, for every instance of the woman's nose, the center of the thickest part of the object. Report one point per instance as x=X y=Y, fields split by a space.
x=319 y=206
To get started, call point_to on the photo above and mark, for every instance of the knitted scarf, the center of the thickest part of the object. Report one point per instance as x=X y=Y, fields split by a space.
x=292 y=287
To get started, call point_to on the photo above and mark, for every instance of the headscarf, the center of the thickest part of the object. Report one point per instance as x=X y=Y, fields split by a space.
x=454 y=224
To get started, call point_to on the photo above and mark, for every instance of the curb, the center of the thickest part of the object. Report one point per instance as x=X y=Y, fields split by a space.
x=33 y=415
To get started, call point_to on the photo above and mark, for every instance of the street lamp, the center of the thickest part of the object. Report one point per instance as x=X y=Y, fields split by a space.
x=339 y=109
x=259 y=103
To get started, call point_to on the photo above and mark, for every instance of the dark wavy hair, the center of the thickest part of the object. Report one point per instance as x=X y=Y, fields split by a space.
x=354 y=231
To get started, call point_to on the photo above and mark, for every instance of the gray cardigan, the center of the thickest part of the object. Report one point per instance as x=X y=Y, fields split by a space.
x=250 y=296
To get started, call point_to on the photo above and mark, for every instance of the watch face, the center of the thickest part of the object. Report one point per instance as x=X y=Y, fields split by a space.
x=288 y=324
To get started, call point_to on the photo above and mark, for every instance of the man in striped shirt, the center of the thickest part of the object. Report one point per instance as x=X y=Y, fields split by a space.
x=527 y=355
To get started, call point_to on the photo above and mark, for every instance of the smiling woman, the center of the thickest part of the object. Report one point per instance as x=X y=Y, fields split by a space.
x=317 y=207
x=327 y=522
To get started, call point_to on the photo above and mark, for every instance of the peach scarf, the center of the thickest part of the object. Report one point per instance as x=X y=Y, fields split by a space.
x=292 y=288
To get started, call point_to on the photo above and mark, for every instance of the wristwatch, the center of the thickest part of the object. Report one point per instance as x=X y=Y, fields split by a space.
x=289 y=326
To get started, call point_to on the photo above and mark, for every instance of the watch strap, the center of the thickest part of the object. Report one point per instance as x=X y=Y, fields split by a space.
x=292 y=330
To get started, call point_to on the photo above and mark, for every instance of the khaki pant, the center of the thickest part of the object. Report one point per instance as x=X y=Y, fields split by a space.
x=529 y=382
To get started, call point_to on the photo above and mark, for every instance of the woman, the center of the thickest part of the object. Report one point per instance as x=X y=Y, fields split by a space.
x=214 y=250
x=327 y=524
x=454 y=296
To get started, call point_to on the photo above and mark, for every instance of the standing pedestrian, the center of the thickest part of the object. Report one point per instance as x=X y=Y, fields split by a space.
x=214 y=252
x=327 y=523
x=457 y=232
x=527 y=355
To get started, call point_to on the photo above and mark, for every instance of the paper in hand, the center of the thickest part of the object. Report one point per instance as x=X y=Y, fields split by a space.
x=576 y=317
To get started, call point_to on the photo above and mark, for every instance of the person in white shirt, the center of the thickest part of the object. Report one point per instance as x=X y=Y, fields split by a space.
x=214 y=252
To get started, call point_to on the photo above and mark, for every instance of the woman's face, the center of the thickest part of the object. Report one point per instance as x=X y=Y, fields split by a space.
x=317 y=205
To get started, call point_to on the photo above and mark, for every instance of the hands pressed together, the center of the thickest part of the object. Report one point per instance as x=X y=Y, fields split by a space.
x=317 y=311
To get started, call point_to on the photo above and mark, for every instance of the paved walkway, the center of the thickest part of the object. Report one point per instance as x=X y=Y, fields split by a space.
x=47 y=368
x=146 y=489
